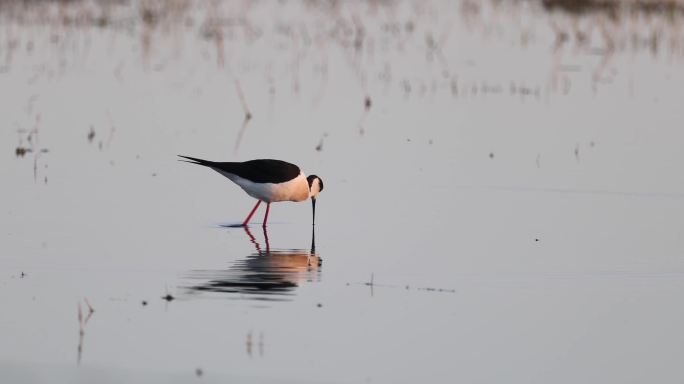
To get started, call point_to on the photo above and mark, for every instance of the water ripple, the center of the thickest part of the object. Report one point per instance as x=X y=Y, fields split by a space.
x=265 y=274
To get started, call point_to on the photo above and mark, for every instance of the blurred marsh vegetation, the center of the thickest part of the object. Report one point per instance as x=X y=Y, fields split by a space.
x=411 y=47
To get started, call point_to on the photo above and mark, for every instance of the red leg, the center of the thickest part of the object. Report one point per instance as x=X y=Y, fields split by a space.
x=251 y=213
x=268 y=207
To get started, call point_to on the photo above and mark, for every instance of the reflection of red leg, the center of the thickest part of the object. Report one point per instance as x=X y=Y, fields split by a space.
x=268 y=207
x=252 y=239
x=251 y=213
x=268 y=246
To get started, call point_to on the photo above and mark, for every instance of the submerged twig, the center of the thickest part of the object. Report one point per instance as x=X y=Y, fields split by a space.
x=90 y=307
x=241 y=133
x=243 y=101
x=82 y=322
x=248 y=115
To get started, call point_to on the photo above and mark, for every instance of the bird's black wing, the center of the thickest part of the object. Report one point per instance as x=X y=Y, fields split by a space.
x=263 y=170
x=258 y=171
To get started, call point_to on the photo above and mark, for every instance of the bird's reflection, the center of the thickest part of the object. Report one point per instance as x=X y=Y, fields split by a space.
x=265 y=274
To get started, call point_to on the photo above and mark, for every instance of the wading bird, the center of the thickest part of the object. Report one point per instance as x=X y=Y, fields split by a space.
x=268 y=181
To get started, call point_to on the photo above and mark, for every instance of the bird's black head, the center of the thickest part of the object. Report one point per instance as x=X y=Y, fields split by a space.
x=315 y=185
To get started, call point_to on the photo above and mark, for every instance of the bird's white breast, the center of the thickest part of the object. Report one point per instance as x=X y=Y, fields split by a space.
x=296 y=189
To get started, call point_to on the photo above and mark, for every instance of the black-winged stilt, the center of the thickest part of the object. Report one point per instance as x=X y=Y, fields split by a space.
x=267 y=180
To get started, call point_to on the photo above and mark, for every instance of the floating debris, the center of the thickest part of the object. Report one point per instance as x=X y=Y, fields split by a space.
x=407 y=287
x=91 y=134
x=168 y=297
x=430 y=289
x=319 y=147
x=21 y=151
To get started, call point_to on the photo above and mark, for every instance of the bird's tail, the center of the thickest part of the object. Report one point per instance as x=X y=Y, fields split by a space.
x=194 y=160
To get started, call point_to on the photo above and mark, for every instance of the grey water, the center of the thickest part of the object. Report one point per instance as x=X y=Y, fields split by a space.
x=503 y=194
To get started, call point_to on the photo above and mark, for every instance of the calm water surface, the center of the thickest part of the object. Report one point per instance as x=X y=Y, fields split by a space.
x=496 y=208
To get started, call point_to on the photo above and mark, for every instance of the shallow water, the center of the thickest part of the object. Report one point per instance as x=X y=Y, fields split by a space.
x=523 y=225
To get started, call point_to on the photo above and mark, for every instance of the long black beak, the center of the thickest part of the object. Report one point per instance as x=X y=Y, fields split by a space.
x=313 y=240
x=313 y=208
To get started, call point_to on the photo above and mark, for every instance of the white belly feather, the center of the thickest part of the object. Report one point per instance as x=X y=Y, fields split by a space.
x=296 y=189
